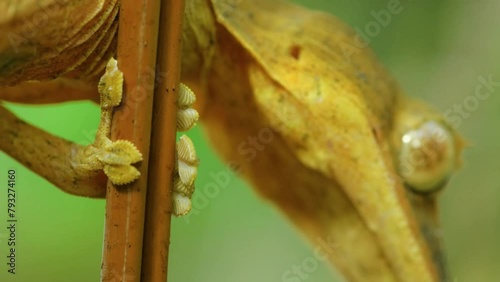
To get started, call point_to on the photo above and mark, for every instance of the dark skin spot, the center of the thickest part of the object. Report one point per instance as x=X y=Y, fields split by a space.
x=294 y=51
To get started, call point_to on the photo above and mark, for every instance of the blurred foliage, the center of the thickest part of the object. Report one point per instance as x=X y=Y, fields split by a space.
x=436 y=49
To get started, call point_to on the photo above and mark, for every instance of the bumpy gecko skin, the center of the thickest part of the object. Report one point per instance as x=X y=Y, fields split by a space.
x=187 y=161
x=114 y=157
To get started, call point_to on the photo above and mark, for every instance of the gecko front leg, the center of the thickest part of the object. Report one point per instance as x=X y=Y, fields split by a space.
x=74 y=168
x=77 y=169
x=114 y=157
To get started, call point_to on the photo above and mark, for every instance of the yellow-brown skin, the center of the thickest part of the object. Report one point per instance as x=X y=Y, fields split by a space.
x=333 y=123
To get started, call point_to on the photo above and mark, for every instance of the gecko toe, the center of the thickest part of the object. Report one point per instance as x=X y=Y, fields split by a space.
x=121 y=174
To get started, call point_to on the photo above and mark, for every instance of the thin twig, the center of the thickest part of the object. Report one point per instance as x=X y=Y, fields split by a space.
x=125 y=205
x=158 y=209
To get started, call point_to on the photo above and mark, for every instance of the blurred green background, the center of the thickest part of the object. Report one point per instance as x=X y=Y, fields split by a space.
x=436 y=49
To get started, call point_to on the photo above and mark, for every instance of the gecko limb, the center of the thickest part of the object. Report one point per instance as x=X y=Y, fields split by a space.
x=49 y=156
x=114 y=157
x=76 y=169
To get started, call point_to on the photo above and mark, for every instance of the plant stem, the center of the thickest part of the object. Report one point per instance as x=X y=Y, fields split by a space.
x=158 y=209
x=125 y=205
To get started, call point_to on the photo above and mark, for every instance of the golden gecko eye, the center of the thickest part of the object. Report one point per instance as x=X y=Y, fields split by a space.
x=427 y=156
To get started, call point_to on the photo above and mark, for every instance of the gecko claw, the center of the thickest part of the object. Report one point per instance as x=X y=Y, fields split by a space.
x=186 y=97
x=186 y=115
x=182 y=188
x=181 y=204
x=186 y=119
x=111 y=85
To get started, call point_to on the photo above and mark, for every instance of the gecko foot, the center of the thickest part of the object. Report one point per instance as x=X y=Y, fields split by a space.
x=114 y=157
x=187 y=161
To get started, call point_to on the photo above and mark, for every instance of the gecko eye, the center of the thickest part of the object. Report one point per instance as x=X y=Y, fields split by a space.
x=427 y=156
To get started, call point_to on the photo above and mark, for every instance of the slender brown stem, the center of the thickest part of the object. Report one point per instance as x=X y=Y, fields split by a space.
x=158 y=209
x=125 y=205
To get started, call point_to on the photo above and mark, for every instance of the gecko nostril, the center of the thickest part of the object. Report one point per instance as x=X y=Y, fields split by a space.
x=295 y=51
x=377 y=134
